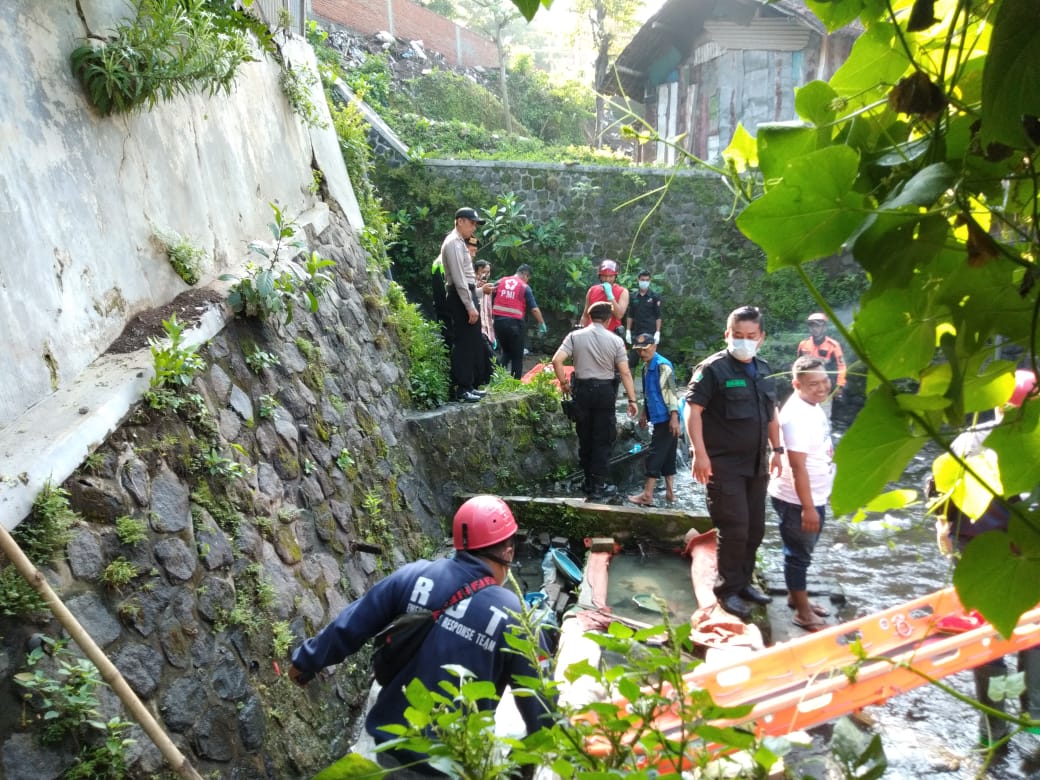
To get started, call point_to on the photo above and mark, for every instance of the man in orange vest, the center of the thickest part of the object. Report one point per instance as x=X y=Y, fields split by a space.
x=822 y=346
x=610 y=291
x=513 y=299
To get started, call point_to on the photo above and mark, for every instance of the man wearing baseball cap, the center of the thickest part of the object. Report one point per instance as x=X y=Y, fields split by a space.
x=607 y=289
x=460 y=283
x=822 y=346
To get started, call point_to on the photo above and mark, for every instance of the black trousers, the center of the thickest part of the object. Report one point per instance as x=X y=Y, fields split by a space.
x=467 y=351
x=737 y=506
x=660 y=460
x=596 y=424
x=510 y=334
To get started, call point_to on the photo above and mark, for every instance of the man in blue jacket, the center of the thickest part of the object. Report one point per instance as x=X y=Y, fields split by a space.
x=660 y=408
x=469 y=634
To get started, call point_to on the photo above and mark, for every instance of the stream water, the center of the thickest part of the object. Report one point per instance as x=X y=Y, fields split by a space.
x=880 y=562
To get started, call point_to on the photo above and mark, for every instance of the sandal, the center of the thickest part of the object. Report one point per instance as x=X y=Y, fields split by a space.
x=811 y=626
x=818 y=610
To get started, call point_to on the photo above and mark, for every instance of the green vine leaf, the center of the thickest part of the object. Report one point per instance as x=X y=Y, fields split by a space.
x=901 y=341
x=781 y=142
x=1011 y=78
x=811 y=212
x=1017 y=435
x=998 y=580
x=872 y=453
x=876 y=62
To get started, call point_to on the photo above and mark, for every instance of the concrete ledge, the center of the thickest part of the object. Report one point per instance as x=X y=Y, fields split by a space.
x=49 y=441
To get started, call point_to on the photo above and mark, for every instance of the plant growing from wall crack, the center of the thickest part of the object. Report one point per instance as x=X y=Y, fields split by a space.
x=270 y=291
x=170 y=48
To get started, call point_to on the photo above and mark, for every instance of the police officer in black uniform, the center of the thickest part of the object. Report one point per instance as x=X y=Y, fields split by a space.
x=731 y=423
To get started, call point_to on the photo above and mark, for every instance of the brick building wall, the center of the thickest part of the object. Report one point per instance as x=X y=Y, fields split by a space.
x=405 y=19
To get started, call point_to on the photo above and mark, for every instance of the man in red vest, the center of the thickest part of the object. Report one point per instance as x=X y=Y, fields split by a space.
x=610 y=291
x=513 y=298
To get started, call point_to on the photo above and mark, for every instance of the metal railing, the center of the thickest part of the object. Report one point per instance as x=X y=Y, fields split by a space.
x=298 y=10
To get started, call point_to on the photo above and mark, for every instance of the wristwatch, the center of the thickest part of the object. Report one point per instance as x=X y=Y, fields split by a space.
x=778 y=450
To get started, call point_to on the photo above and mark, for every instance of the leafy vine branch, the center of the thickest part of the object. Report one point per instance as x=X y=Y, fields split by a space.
x=917 y=159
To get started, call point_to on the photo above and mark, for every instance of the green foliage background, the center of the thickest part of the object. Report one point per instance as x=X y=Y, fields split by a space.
x=919 y=157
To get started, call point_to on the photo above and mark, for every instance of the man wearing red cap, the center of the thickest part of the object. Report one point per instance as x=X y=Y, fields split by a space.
x=822 y=346
x=610 y=291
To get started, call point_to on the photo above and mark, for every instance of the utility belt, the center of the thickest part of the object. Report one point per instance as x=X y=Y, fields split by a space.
x=591 y=382
x=448 y=287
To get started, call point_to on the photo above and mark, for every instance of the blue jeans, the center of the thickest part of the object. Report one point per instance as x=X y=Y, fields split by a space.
x=798 y=544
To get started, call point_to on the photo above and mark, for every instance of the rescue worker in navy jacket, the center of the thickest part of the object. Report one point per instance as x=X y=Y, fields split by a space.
x=470 y=634
x=731 y=421
x=661 y=409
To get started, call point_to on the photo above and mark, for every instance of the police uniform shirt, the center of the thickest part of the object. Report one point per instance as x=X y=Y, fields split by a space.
x=595 y=352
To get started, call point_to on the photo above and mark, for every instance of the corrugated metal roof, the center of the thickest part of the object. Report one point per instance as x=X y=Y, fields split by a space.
x=783 y=34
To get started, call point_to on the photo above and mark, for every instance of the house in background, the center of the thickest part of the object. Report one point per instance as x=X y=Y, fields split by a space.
x=701 y=67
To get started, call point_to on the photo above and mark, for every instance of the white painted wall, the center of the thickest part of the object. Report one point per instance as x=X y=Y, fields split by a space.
x=79 y=193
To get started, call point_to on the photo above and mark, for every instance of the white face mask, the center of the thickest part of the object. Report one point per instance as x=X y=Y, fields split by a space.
x=644 y=285
x=742 y=349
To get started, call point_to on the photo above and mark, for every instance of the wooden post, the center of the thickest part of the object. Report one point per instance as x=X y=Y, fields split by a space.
x=108 y=671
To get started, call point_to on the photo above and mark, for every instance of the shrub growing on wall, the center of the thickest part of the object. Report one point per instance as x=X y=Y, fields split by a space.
x=171 y=48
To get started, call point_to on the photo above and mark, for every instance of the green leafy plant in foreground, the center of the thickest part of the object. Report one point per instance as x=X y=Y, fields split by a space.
x=454 y=724
x=271 y=291
x=919 y=159
x=175 y=366
x=427 y=355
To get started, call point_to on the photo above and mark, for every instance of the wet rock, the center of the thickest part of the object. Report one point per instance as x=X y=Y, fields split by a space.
x=143 y=758
x=170 y=503
x=281 y=578
x=311 y=493
x=95 y=498
x=215 y=733
x=176 y=558
x=141 y=666
x=229 y=424
x=248 y=540
x=286 y=544
x=134 y=478
x=94 y=616
x=181 y=703
x=267 y=481
x=146 y=606
x=311 y=608
x=215 y=597
x=356 y=578
x=211 y=542
x=219 y=383
x=241 y=403
x=228 y=678
x=251 y=724
x=203 y=650
x=175 y=640
x=84 y=553
x=283 y=426
x=23 y=758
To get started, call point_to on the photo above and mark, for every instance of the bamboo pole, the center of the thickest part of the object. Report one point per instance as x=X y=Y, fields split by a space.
x=108 y=671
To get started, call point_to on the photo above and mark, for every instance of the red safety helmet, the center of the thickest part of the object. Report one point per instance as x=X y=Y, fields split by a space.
x=608 y=267
x=481 y=522
x=1025 y=381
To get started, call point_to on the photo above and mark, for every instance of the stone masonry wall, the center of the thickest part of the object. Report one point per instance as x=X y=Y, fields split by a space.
x=341 y=485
